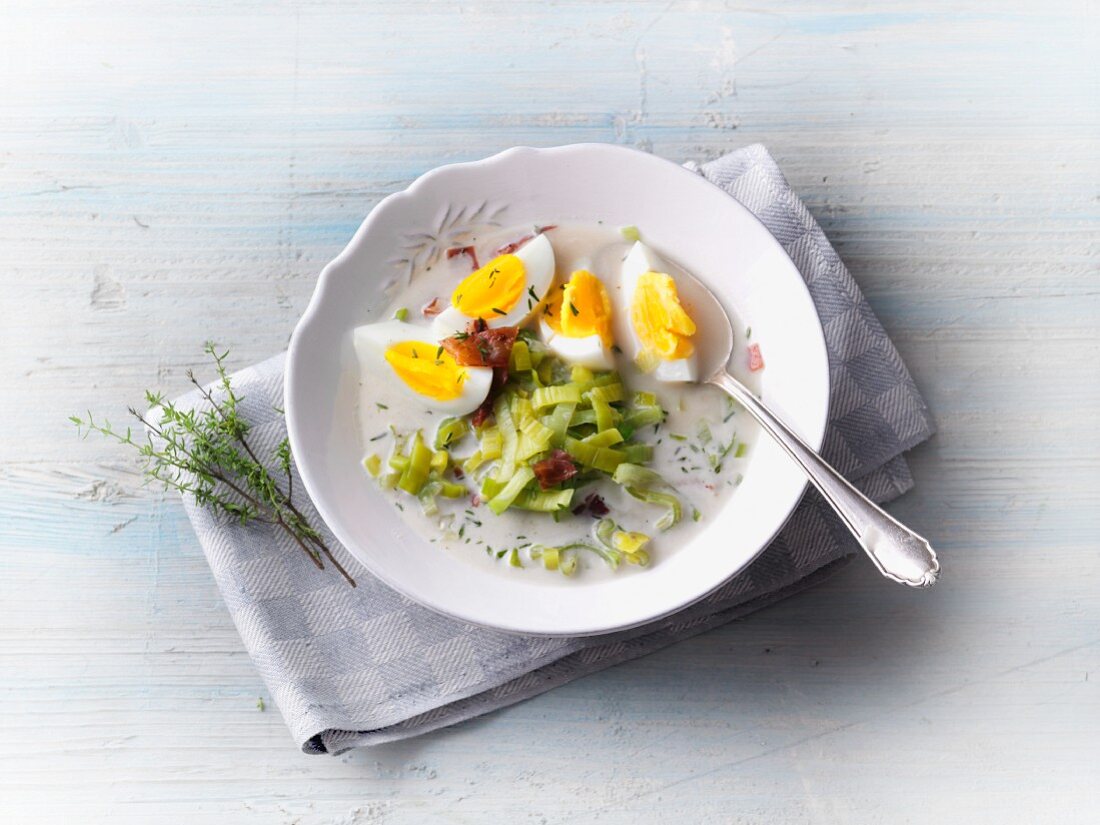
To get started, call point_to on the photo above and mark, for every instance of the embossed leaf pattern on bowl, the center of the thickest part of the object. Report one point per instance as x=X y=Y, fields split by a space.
x=424 y=248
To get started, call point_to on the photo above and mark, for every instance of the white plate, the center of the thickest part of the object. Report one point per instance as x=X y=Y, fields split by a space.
x=694 y=223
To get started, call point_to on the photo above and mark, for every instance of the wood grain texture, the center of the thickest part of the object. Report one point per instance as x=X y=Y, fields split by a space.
x=171 y=173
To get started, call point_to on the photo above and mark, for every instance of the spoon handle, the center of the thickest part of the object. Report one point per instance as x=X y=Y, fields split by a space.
x=898 y=552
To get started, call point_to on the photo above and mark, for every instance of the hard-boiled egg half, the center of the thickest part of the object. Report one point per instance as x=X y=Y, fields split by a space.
x=394 y=350
x=660 y=338
x=576 y=322
x=504 y=292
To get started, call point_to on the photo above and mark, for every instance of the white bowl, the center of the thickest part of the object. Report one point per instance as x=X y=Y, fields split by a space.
x=691 y=221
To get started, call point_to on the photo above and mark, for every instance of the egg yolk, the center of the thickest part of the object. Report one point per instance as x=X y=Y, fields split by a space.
x=493 y=290
x=585 y=308
x=427 y=369
x=659 y=320
x=551 y=311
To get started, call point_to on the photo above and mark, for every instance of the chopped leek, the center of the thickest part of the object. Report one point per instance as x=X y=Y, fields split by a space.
x=535 y=438
x=605 y=378
x=490 y=487
x=630 y=233
x=450 y=489
x=667 y=499
x=629 y=542
x=520 y=359
x=441 y=459
x=544 y=405
x=643 y=416
x=428 y=504
x=509 y=436
x=550 y=396
x=615 y=544
x=450 y=431
x=603 y=531
x=610 y=392
x=491 y=443
x=544 y=501
x=604 y=438
x=580 y=375
x=608 y=554
x=598 y=458
x=638 y=453
x=414 y=476
x=584 y=417
x=551 y=556
x=514 y=486
x=474 y=461
x=545 y=371
x=647 y=361
x=633 y=475
x=605 y=416
x=559 y=420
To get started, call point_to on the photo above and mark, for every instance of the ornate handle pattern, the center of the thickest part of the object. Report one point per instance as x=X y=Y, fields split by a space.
x=898 y=552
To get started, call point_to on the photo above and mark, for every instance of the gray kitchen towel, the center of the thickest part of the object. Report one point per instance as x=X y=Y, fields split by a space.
x=351 y=667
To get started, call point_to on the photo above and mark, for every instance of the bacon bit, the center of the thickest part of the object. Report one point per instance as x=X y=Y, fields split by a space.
x=509 y=248
x=475 y=500
x=458 y=473
x=540 y=229
x=480 y=346
x=557 y=468
x=495 y=346
x=594 y=505
x=482 y=414
x=431 y=309
x=468 y=251
x=756 y=360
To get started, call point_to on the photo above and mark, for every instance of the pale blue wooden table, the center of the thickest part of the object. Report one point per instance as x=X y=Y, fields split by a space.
x=169 y=175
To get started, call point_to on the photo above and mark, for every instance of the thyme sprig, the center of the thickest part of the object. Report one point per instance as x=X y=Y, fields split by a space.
x=205 y=454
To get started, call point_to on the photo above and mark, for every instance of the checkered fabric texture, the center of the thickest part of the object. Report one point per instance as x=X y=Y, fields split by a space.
x=352 y=667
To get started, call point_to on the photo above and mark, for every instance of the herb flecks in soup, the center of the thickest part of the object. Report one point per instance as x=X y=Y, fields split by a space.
x=542 y=415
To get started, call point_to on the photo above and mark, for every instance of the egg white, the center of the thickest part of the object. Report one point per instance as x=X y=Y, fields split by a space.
x=371 y=342
x=537 y=256
x=588 y=351
x=639 y=260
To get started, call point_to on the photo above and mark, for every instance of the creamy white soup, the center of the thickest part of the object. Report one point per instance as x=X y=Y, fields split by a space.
x=530 y=405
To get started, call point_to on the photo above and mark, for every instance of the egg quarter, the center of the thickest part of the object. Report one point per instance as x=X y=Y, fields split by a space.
x=411 y=358
x=658 y=331
x=577 y=323
x=505 y=292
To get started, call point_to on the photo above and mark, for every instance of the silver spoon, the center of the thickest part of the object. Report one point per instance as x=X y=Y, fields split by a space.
x=898 y=552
